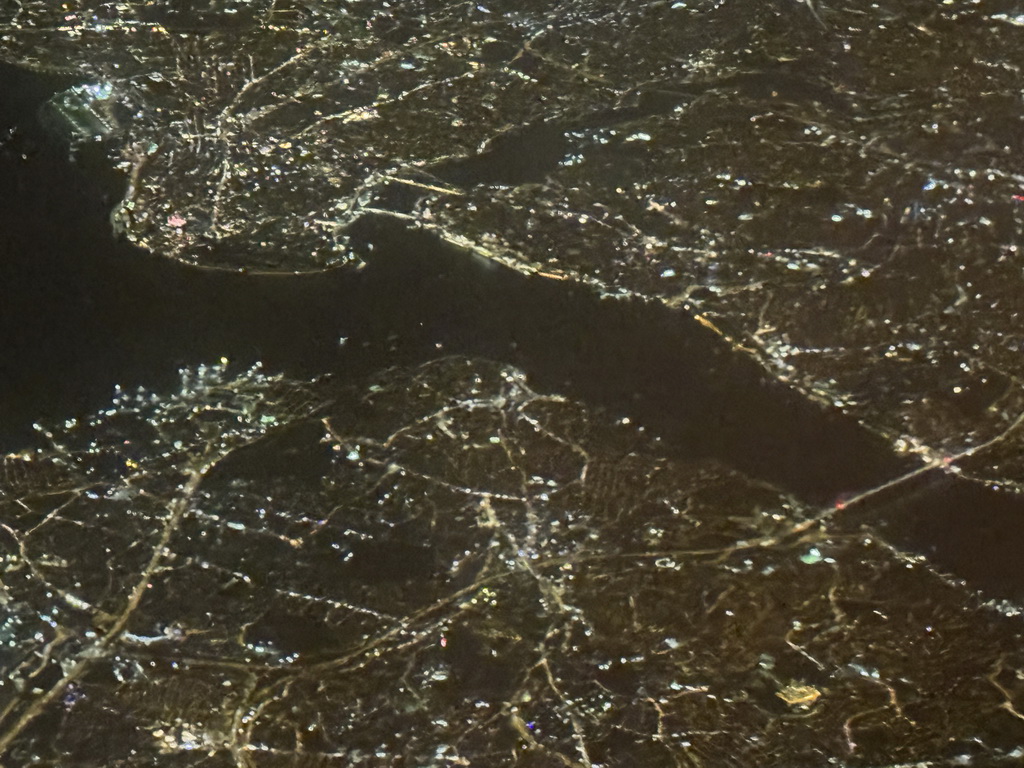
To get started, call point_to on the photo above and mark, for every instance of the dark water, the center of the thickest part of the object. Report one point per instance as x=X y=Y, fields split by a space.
x=84 y=312
x=622 y=632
